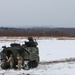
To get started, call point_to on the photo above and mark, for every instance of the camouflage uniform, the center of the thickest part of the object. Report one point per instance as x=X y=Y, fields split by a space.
x=19 y=61
x=10 y=60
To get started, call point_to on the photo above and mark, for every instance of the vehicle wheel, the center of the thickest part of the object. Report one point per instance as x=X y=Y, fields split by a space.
x=2 y=66
x=27 y=65
x=34 y=64
x=5 y=65
x=30 y=64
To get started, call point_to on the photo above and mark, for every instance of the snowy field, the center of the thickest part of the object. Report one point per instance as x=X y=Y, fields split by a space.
x=50 y=49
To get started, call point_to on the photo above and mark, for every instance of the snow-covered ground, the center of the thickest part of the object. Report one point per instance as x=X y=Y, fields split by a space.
x=50 y=49
x=56 y=49
x=51 y=69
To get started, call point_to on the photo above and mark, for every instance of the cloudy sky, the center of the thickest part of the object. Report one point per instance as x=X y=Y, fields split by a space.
x=29 y=13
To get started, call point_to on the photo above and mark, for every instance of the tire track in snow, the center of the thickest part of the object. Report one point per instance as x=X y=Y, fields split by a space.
x=58 y=61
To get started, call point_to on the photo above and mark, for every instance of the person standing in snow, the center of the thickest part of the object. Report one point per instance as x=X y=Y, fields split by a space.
x=20 y=59
x=10 y=60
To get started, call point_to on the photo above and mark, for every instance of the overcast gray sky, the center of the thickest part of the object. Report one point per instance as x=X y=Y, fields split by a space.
x=27 y=13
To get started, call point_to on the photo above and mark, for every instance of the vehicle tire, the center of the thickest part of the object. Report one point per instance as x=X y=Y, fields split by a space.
x=27 y=66
x=34 y=64
x=2 y=66
x=5 y=65
x=30 y=64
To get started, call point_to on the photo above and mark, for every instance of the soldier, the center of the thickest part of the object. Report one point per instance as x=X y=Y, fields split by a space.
x=10 y=60
x=19 y=61
x=30 y=39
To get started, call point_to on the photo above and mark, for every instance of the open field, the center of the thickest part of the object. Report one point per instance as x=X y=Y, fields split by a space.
x=57 y=56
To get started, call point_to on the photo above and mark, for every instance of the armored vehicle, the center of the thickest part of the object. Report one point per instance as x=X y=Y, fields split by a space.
x=28 y=51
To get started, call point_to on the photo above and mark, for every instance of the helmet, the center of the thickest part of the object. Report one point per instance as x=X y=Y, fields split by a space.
x=30 y=38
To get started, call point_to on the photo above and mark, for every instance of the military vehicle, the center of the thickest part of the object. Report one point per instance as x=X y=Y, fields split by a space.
x=28 y=51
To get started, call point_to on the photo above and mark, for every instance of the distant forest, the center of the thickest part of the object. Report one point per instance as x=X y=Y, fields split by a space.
x=40 y=32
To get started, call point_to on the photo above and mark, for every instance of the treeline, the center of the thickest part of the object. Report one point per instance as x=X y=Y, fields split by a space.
x=55 y=32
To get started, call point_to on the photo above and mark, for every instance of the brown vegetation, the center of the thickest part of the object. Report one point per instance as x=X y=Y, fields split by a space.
x=33 y=32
